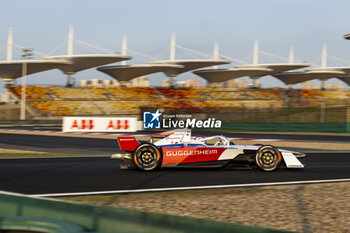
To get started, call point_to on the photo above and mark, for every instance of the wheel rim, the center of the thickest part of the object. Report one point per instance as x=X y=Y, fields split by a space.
x=147 y=157
x=268 y=159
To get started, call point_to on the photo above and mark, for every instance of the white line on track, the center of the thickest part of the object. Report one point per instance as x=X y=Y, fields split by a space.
x=189 y=188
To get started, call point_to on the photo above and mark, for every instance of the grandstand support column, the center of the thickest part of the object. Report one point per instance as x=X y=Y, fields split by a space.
x=70 y=40
x=23 y=94
x=255 y=82
x=172 y=55
x=123 y=83
x=172 y=46
x=9 y=44
x=27 y=53
x=124 y=48
x=290 y=86
x=323 y=84
x=216 y=53
x=256 y=52
x=291 y=55
x=324 y=56
x=69 y=80
x=171 y=82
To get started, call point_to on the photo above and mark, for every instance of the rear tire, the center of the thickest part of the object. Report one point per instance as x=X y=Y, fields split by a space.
x=147 y=157
x=268 y=158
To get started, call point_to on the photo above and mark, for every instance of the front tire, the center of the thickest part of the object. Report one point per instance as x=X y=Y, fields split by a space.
x=147 y=157
x=268 y=158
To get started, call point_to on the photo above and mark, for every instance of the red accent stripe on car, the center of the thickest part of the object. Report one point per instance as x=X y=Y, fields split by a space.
x=128 y=143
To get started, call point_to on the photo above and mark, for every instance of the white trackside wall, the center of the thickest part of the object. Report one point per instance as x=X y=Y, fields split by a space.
x=100 y=124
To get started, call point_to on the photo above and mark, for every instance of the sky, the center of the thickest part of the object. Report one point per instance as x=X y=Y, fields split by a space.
x=304 y=24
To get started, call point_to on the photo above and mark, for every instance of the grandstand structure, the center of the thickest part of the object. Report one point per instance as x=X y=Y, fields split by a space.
x=79 y=62
x=69 y=64
x=72 y=63
x=170 y=68
x=57 y=101
x=290 y=78
x=254 y=71
x=322 y=73
x=12 y=69
x=125 y=73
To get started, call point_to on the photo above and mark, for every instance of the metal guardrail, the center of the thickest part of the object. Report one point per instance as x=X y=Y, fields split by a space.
x=25 y=224
x=19 y=212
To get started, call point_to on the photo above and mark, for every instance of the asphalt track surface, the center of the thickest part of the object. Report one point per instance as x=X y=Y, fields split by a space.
x=255 y=135
x=65 y=175
x=76 y=145
x=58 y=144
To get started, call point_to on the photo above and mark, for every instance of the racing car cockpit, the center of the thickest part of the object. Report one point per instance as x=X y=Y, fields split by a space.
x=217 y=140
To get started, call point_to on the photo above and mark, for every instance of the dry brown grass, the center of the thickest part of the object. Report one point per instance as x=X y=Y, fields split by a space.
x=301 y=208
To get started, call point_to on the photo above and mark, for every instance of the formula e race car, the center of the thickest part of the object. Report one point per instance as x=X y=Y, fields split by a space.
x=177 y=148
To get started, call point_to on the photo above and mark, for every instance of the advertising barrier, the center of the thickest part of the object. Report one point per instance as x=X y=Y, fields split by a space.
x=99 y=124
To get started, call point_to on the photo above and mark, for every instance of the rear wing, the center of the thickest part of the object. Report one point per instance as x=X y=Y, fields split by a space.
x=128 y=143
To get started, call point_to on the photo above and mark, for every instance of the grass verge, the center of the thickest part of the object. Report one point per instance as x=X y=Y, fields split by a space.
x=302 y=208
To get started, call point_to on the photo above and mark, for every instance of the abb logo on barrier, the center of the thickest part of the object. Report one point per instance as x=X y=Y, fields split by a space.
x=82 y=124
x=99 y=124
x=89 y=124
x=118 y=124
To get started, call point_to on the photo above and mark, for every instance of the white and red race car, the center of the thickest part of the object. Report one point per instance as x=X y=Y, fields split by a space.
x=177 y=148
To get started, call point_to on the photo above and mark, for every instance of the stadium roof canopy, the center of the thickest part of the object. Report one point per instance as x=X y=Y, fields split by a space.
x=188 y=65
x=222 y=75
x=10 y=70
x=252 y=70
x=298 y=77
x=277 y=67
x=125 y=73
x=345 y=77
x=345 y=69
x=81 y=62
